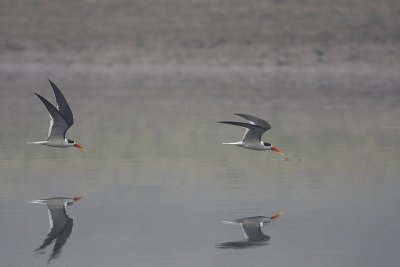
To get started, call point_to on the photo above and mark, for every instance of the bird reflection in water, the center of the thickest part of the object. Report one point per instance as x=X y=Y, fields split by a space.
x=252 y=230
x=60 y=224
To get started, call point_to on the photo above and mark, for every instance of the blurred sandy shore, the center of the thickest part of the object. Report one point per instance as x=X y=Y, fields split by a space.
x=201 y=32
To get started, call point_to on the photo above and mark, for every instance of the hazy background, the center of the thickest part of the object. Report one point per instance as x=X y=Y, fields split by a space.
x=218 y=32
x=147 y=80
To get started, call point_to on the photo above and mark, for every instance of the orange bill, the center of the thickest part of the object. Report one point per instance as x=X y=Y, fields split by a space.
x=80 y=147
x=276 y=150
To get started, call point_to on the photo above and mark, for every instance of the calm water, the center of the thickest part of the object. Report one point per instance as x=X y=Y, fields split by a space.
x=159 y=182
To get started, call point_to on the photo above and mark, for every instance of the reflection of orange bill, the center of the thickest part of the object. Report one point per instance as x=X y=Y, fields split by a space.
x=276 y=216
x=78 y=198
x=276 y=150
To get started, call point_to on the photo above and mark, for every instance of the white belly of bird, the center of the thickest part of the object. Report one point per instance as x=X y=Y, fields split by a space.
x=58 y=143
x=253 y=146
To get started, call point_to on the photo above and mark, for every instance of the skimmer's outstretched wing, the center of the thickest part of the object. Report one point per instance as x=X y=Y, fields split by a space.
x=58 y=123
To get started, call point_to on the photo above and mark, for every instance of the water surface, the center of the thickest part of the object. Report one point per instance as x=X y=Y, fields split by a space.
x=159 y=181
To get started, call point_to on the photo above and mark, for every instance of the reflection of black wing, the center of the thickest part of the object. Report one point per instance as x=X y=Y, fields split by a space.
x=62 y=104
x=253 y=232
x=256 y=121
x=61 y=239
x=241 y=244
x=61 y=228
x=253 y=132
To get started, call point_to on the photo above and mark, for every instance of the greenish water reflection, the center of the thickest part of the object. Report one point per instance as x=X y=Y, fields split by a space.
x=159 y=181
